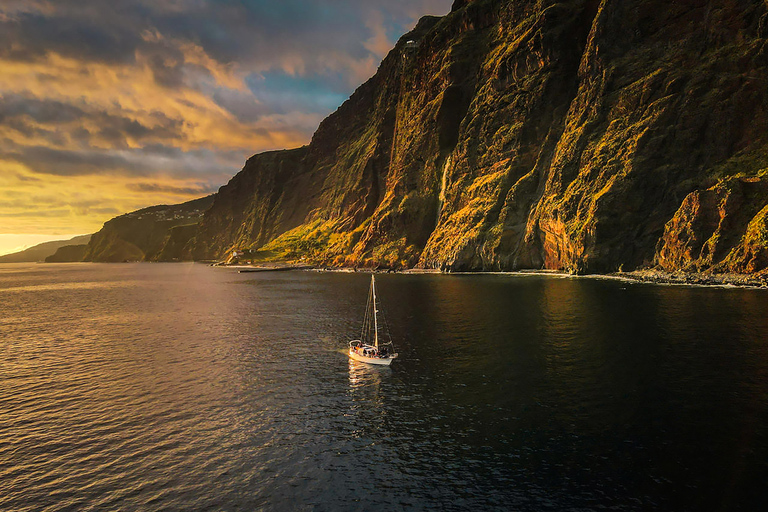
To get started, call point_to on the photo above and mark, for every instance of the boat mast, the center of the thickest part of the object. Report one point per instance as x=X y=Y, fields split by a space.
x=366 y=318
x=375 y=318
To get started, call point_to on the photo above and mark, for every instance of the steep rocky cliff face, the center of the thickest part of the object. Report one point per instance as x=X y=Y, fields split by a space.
x=145 y=235
x=68 y=254
x=723 y=228
x=584 y=135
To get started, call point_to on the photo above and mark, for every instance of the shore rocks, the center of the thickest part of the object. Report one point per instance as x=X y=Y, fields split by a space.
x=759 y=280
x=721 y=228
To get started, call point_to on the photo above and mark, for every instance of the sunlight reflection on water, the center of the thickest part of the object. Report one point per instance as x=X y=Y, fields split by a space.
x=189 y=387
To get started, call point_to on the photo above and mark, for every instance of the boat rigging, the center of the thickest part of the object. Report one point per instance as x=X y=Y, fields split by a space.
x=368 y=349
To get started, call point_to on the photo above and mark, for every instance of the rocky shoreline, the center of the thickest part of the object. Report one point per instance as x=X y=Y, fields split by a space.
x=654 y=276
x=696 y=278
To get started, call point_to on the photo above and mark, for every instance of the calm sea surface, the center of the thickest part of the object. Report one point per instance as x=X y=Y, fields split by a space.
x=187 y=387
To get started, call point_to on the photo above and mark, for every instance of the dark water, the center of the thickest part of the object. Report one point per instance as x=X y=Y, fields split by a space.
x=149 y=387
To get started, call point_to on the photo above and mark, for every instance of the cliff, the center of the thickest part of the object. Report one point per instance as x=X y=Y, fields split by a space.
x=146 y=234
x=68 y=254
x=589 y=136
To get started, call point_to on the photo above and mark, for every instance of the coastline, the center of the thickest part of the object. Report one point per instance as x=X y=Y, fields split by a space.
x=650 y=276
x=754 y=281
x=757 y=281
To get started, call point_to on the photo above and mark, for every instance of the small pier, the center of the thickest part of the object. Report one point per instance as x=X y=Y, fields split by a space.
x=274 y=268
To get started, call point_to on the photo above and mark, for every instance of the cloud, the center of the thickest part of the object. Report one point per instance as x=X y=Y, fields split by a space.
x=81 y=204
x=46 y=160
x=224 y=37
x=379 y=43
x=39 y=213
x=116 y=105
x=41 y=110
x=199 y=190
x=137 y=162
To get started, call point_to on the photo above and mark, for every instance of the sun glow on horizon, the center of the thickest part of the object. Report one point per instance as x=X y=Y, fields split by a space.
x=12 y=243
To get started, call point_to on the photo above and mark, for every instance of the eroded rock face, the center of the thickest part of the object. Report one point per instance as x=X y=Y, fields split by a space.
x=721 y=228
x=143 y=235
x=751 y=254
x=68 y=254
x=259 y=203
x=575 y=135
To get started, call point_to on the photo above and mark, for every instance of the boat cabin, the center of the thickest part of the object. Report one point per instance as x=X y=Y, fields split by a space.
x=366 y=350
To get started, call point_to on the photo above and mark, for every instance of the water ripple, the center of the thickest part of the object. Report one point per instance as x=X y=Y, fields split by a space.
x=157 y=387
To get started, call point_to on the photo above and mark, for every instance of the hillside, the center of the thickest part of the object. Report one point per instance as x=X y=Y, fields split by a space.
x=142 y=235
x=586 y=136
x=68 y=254
x=40 y=252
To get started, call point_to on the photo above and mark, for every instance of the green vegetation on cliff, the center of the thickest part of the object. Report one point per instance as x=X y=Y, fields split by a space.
x=148 y=234
x=588 y=135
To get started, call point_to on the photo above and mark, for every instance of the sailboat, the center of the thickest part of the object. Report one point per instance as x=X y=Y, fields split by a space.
x=368 y=349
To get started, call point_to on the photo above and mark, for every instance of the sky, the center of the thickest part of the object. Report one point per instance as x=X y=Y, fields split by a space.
x=107 y=107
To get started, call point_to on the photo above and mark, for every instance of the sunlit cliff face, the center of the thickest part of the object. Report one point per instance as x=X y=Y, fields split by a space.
x=106 y=107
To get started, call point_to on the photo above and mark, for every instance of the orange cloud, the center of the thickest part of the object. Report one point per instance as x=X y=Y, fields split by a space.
x=131 y=91
x=81 y=204
x=105 y=109
x=116 y=111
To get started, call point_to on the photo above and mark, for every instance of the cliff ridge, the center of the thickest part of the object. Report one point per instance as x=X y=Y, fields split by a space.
x=588 y=136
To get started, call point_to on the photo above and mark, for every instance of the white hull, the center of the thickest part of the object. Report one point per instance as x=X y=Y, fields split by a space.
x=386 y=361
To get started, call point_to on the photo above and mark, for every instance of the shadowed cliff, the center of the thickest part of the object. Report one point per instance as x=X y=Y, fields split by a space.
x=588 y=136
x=143 y=235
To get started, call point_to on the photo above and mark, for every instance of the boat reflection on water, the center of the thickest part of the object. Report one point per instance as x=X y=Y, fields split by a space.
x=368 y=402
x=365 y=375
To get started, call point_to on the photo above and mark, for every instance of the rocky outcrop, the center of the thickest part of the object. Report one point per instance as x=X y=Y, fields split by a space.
x=68 y=254
x=143 y=235
x=175 y=242
x=587 y=136
x=722 y=228
x=268 y=197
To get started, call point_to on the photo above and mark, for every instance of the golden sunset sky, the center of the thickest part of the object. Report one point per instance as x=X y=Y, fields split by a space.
x=107 y=107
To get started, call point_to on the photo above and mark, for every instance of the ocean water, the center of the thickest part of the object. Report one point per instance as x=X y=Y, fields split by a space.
x=187 y=387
